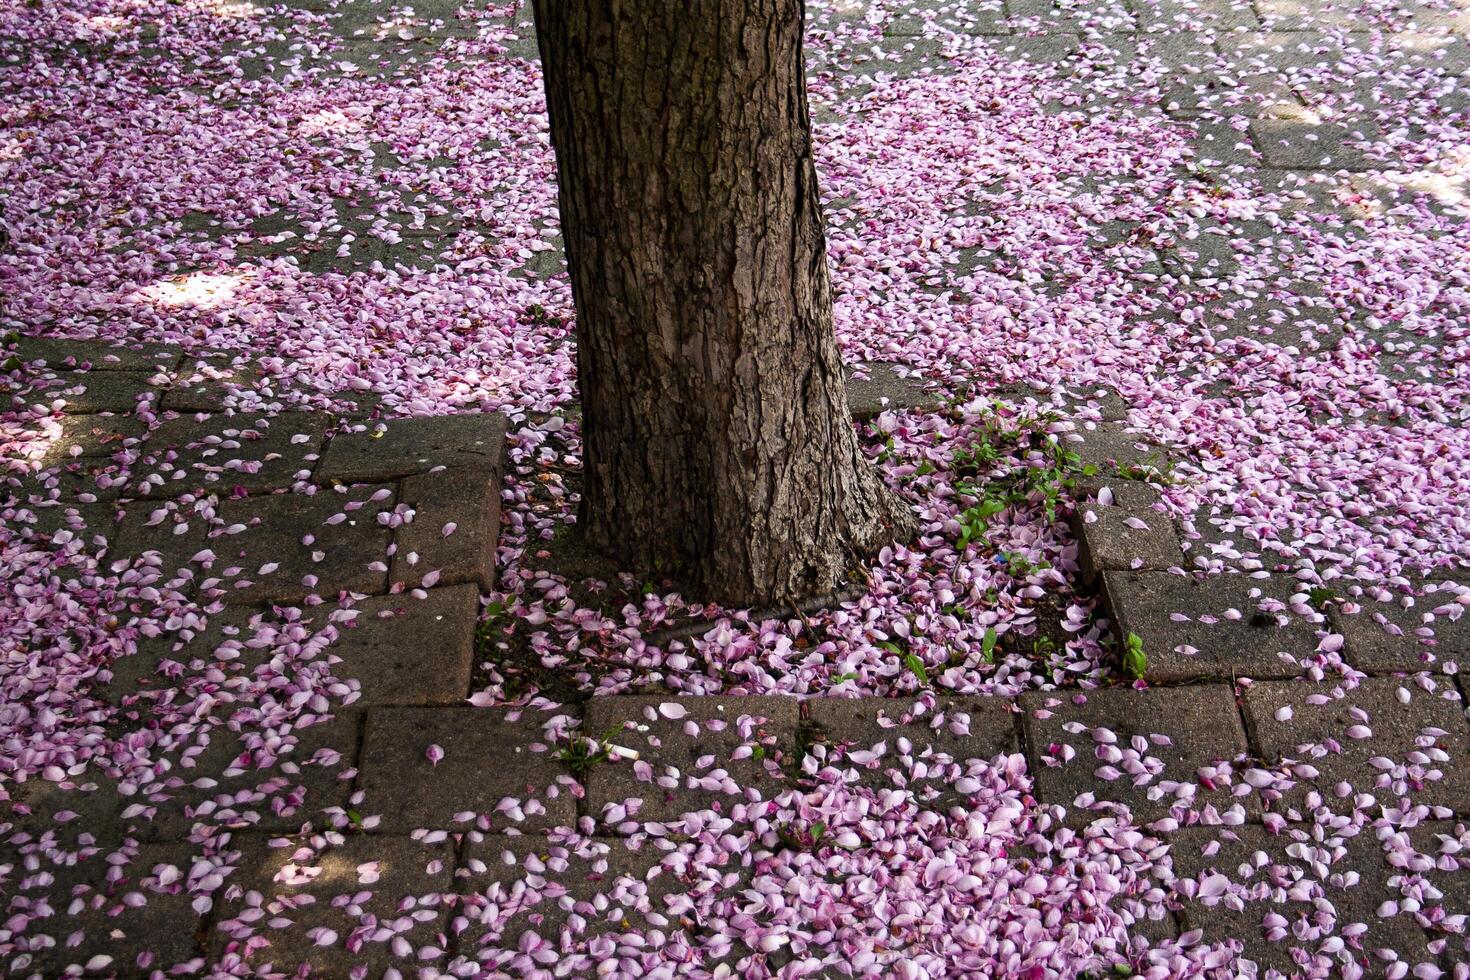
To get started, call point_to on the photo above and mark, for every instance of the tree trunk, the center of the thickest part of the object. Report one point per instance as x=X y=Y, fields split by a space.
x=718 y=447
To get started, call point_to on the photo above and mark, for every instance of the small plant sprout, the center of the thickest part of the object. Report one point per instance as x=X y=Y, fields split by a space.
x=1135 y=661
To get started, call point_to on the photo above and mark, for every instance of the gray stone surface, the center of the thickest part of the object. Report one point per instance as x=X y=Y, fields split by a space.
x=224 y=454
x=1375 y=720
x=86 y=392
x=572 y=895
x=205 y=384
x=1289 y=874
x=1181 y=729
x=960 y=729
x=766 y=725
x=95 y=355
x=488 y=757
x=340 y=555
x=47 y=518
x=115 y=935
x=884 y=389
x=1297 y=145
x=375 y=451
x=466 y=496
x=230 y=785
x=177 y=536
x=409 y=651
x=1388 y=638
x=79 y=436
x=396 y=880
x=167 y=663
x=1224 y=632
x=1109 y=537
x=1109 y=446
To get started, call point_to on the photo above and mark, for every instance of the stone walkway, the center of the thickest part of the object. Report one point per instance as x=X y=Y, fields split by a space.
x=402 y=516
x=339 y=563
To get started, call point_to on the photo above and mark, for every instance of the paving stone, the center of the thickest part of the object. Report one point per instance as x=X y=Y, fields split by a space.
x=1301 y=146
x=96 y=355
x=340 y=556
x=47 y=518
x=176 y=538
x=1106 y=539
x=115 y=935
x=142 y=673
x=1049 y=16
x=572 y=896
x=226 y=453
x=402 y=447
x=1209 y=255
x=1219 y=146
x=921 y=16
x=35 y=825
x=1287 y=874
x=959 y=728
x=1201 y=725
x=411 y=651
x=1110 y=447
x=1390 y=729
x=1430 y=861
x=469 y=498
x=227 y=786
x=1387 y=638
x=1297 y=15
x=87 y=392
x=206 y=384
x=1043 y=49
x=1159 y=16
x=884 y=389
x=395 y=880
x=643 y=725
x=83 y=436
x=1225 y=633
x=488 y=757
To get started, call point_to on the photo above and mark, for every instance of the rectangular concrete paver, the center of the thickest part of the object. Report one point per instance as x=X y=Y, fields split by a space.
x=455 y=526
x=1218 y=628
x=91 y=435
x=1162 y=735
x=398 y=885
x=1422 y=740
x=224 y=454
x=886 y=731
x=234 y=784
x=1299 y=145
x=96 y=355
x=1127 y=533
x=87 y=392
x=599 y=889
x=377 y=451
x=1240 y=875
x=1387 y=637
x=489 y=757
x=705 y=752
x=409 y=651
x=348 y=549
x=118 y=938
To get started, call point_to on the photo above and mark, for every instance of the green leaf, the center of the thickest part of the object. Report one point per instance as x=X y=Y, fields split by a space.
x=844 y=678
x=924 y=468
x=987 y=645
x=1135 y=661
x=913 y=663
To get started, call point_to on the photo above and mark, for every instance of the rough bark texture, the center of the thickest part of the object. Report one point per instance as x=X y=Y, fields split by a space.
x=717 y=441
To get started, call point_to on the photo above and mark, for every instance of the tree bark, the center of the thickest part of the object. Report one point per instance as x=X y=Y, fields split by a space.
x=718 y=447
